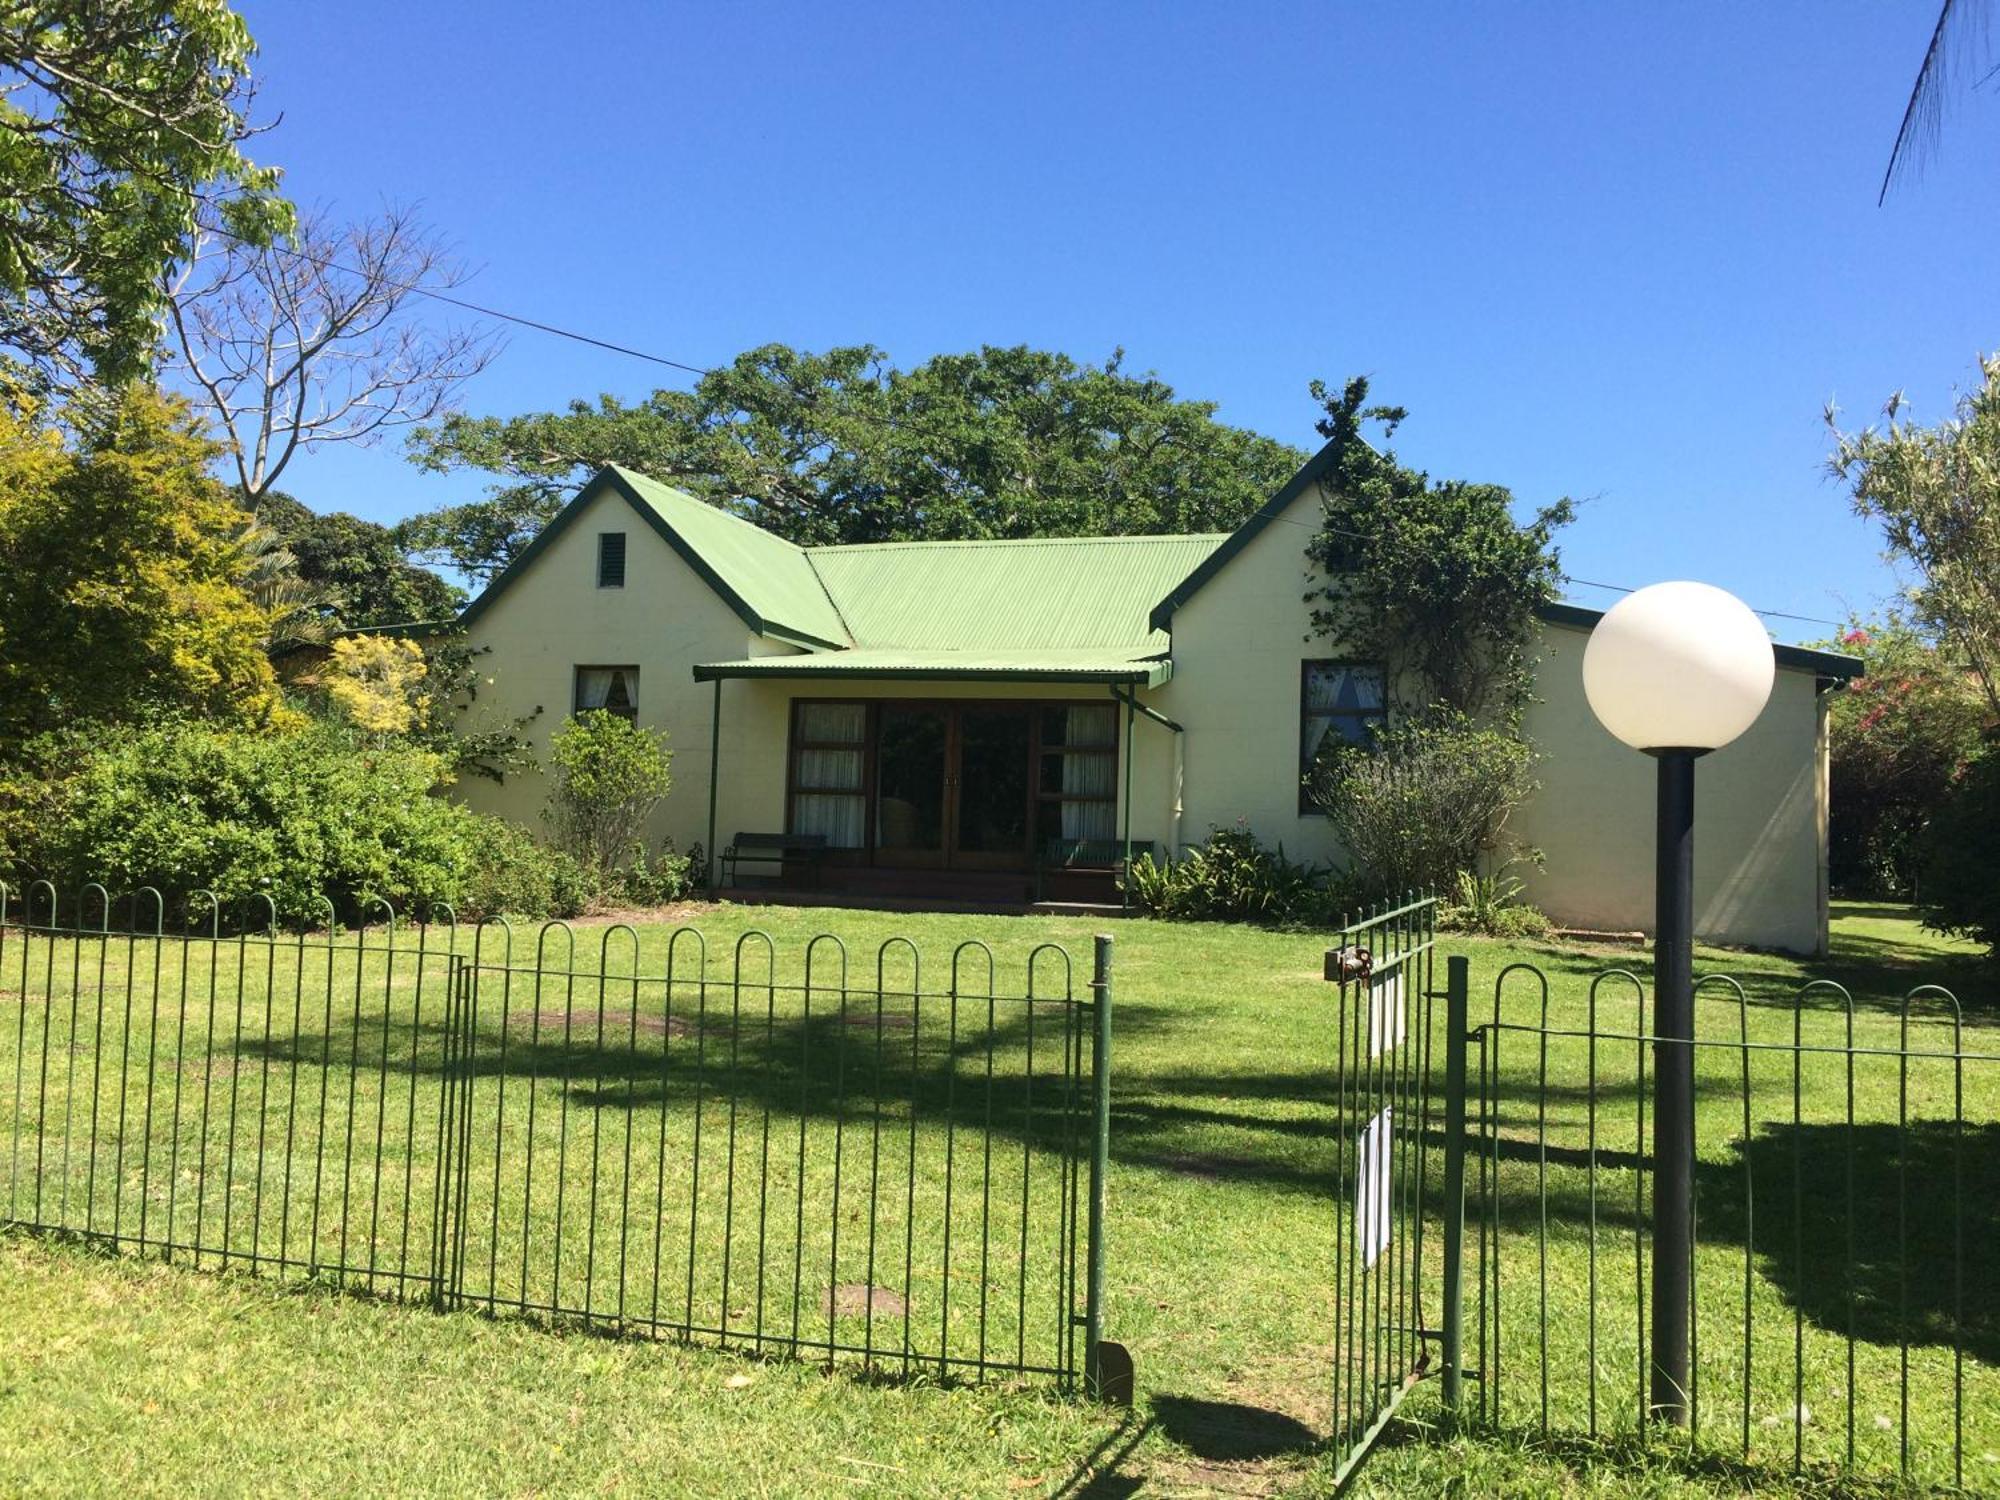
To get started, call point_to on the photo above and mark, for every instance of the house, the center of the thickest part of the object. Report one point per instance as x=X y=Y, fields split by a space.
x=994 y=720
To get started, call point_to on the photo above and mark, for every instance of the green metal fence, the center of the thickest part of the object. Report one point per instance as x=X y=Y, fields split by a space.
x=835 y=1157
x=1847 y=1185
x=1383 y=968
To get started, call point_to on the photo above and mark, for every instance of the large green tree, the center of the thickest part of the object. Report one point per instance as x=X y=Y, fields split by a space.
x=1434 y=578
x=123 y=577
x=119 y=119
x=1936 y=491
x=844 y=447
x=355 y=565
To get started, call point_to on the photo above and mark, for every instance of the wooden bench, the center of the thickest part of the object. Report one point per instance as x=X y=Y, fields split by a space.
x=1101 y=857
x=773 y=849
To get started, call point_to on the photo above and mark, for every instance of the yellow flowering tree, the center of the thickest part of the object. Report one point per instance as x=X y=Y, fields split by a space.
x=123 y=577
x=376 y=683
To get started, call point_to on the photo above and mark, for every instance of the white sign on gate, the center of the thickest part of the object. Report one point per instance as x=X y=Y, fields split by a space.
x=1387 y=1016
x=1371 y=1189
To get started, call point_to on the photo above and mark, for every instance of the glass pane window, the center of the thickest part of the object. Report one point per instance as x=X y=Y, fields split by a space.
x=830 y=772
x=1347 y=701
x=613 y=689
x=1080 y=726
x=833 y=723
x=1076 y=779
x=839 y=818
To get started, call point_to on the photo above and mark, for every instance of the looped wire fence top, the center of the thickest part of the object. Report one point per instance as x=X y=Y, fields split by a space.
x=879 y=1156
x=1847 y=1174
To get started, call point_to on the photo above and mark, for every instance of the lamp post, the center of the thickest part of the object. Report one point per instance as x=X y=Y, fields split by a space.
x=1675 y=670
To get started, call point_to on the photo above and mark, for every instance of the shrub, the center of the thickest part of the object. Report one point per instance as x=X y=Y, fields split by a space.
x=515 y=874
x=1229 y=878
x=1430 y=798
x=672 y=876
x=609 y=775
x=1961 y=889
x=1491 y=904
x=183 y=806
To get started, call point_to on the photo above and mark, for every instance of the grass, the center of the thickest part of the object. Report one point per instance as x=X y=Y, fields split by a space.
x=126 y=1374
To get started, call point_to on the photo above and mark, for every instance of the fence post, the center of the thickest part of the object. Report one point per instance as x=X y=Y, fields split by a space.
x=1457 y=1009
x=1100 y=1161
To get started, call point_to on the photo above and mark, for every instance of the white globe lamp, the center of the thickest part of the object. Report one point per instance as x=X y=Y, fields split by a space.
x=1678 y=666
x=1676 y=670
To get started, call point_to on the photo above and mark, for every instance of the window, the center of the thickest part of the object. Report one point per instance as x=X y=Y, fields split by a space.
x=613 y=689
x=611 y=559
x=829 y=787
x=1076 y=783
x=1343 y=699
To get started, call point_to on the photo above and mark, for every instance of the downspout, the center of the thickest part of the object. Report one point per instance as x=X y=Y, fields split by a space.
x=1125 y=885
x=714 y=771
x=1823 y=809
x=1132 y=705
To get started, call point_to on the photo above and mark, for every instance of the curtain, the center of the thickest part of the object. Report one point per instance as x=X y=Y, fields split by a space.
x=838 y=723
x=830 y=770
x=1341 y=698
x=837 y=815
x=1090 y=728
x=612 y=688
x=829 y=800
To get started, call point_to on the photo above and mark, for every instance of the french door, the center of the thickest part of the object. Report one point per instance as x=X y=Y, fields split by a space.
x=952 y=785
x=971 y=784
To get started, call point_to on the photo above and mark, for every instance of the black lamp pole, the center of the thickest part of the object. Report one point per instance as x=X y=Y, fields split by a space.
x=1673 y=1088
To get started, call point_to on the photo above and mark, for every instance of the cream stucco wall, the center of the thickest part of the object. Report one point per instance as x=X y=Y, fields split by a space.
x=1759 y=823
x=1760 y=835
x=553 y=618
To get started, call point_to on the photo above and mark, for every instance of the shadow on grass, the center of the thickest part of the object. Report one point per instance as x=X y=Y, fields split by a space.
x=1101 y=1473
x=1640 y=1464
x=1889 y=1235
x=1230 y=1431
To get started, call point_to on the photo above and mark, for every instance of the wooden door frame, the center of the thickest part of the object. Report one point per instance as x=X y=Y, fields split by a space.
x=870 y=853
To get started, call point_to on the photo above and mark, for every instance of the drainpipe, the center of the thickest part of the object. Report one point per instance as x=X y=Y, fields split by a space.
x=714 y=771
x=1132 y=705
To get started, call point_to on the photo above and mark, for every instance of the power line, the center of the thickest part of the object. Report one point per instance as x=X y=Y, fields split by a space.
x=328 y=264
x=1589 y=583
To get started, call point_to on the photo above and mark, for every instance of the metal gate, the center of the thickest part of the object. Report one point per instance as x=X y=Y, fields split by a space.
x=1382 y=968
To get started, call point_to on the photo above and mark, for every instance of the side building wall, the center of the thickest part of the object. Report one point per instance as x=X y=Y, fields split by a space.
x=554 y=618
x=1760 y=833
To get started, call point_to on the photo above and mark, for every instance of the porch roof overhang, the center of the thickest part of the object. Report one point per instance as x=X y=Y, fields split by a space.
x=1081 y=666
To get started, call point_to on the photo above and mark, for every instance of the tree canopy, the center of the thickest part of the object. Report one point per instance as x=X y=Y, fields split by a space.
x=355 y=565
x=1434 y=578
x=1936 y=491
x=844 y=447
x=1902 y=734
x=118 y=120
x=122 y=577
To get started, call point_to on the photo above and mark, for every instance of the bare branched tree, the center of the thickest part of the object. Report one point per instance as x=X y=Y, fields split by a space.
x=316 y=338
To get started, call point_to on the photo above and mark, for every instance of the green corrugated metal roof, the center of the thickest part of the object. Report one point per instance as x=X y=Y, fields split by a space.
x=764 y=571
x=1061 y=593
x=1043 y=608
x=1045 y=665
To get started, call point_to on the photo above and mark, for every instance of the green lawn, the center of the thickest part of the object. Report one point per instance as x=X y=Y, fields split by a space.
x=126 y=1374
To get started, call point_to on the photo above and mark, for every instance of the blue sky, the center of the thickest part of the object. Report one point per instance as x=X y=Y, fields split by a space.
x=1619 y=253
